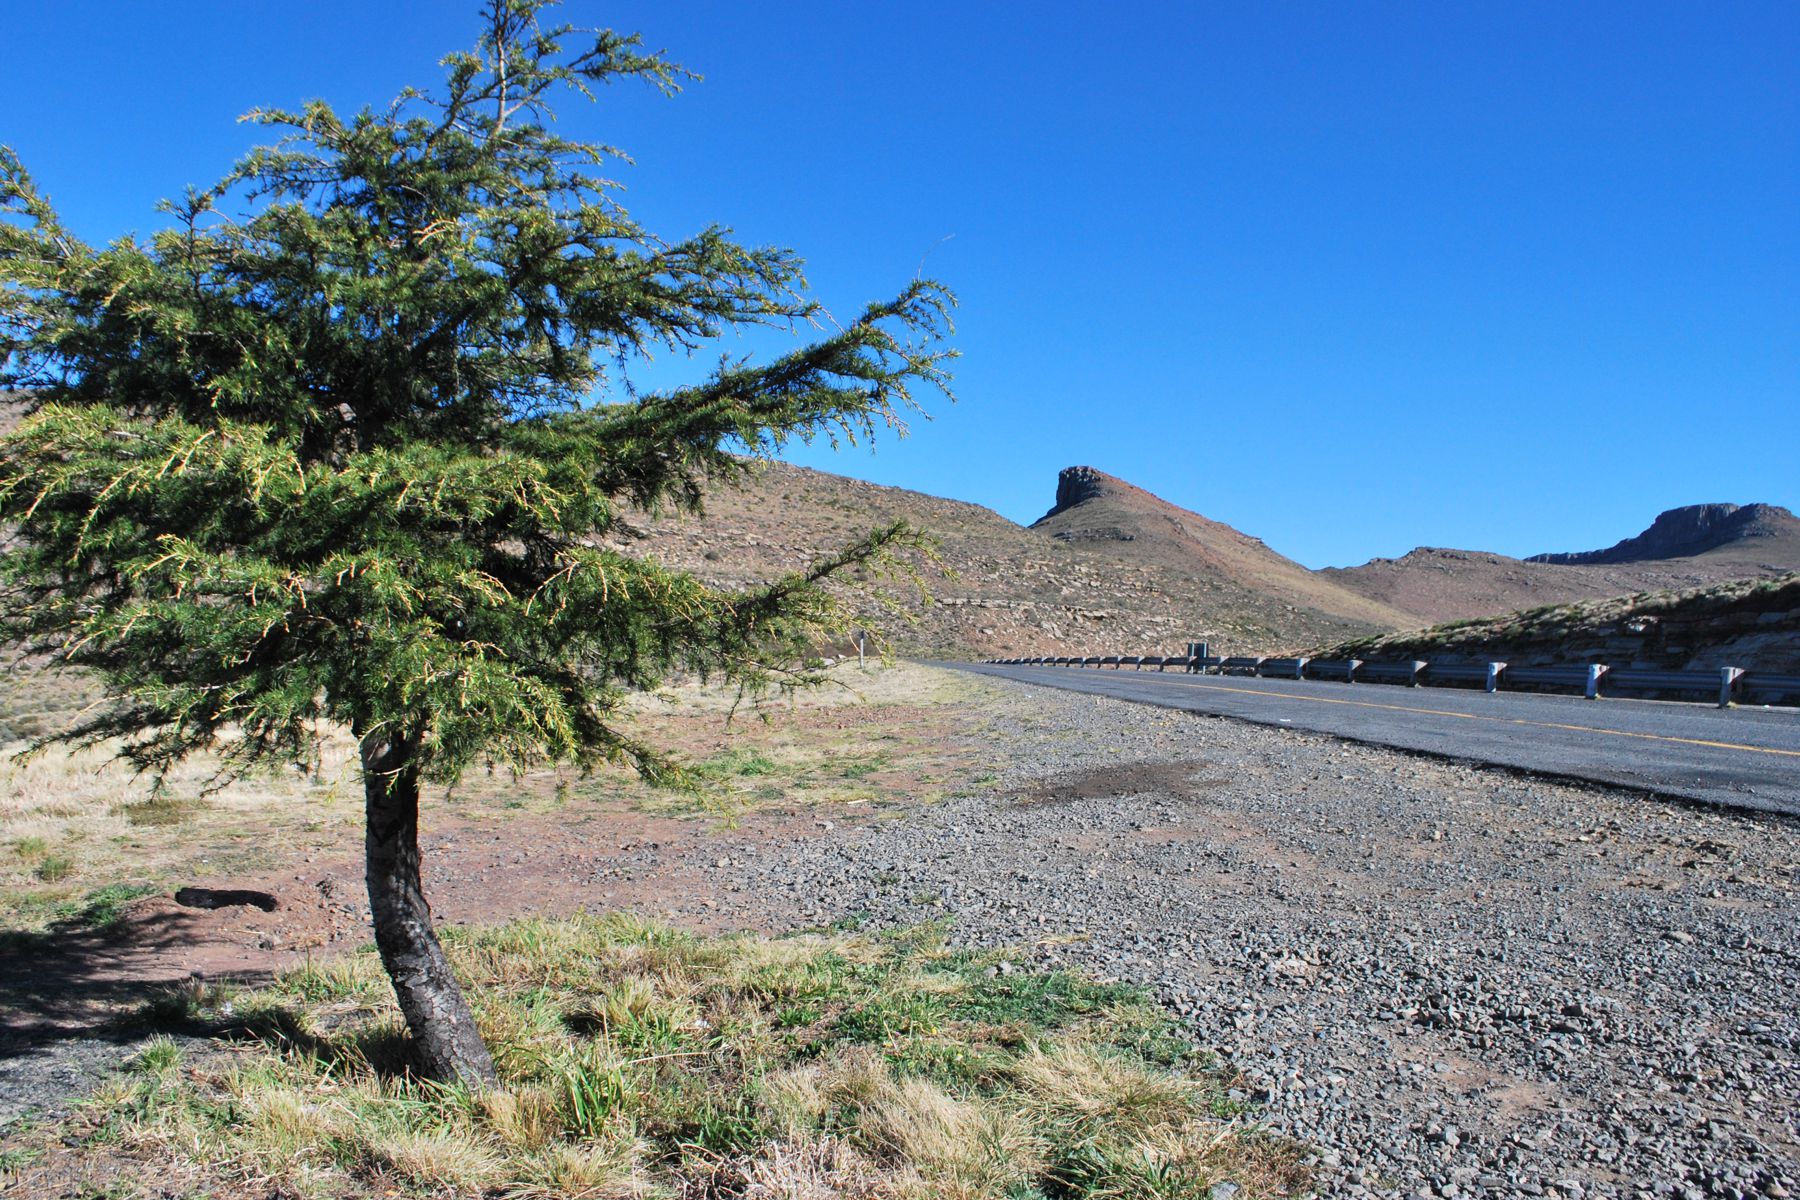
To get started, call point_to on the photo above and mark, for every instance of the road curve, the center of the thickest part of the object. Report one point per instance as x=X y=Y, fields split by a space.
x=1740 y=757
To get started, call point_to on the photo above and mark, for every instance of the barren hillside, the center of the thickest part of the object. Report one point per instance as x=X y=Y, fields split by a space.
x=1155 y=578
x=1108 y=515
x=1684 y=548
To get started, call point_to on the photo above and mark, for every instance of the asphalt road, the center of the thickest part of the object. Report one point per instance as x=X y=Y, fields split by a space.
x=1742 y=757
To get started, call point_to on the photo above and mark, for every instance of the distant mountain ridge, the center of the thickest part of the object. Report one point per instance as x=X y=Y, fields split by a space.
x=1691 y=547
x=1113 y=568
x=1691 y=531
x=1751 y=623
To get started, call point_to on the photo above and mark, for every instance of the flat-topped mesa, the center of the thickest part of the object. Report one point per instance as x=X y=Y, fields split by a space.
x=1688 y=531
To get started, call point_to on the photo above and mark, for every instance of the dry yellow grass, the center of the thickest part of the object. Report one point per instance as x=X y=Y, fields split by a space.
x=637 y=1061
x=875 y=684
x=92 y=812
x=72 y=822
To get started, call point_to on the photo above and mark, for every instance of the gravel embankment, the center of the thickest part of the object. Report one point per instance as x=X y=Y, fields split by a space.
x=1454 y=982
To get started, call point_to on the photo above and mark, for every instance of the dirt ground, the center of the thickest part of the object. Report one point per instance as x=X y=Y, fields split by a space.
x=494 y=848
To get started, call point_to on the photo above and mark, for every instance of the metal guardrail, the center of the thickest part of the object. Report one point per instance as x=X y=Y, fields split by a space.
x=1640 y=679
x=1404 y=673
x=1585 y=676
x=1450 y=674
x=1593 y=680
x=1770 y=686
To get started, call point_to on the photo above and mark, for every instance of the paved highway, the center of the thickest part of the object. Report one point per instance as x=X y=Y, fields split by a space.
x=1743 y=757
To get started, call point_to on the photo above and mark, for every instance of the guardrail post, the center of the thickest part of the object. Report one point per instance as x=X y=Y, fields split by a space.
x=1595 y=670
x=1727 y=677
x=1493 y=676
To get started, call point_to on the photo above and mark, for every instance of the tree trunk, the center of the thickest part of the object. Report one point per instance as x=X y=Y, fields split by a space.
x=447 y=1044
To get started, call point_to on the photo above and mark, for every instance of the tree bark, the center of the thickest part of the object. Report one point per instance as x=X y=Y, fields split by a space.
x=447 y=1044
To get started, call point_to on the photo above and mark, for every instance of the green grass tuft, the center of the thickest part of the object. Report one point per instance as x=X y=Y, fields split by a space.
x=53 y=868
x=158 y=1055
x=31 y=848
x=105 y=906
x=737 y=764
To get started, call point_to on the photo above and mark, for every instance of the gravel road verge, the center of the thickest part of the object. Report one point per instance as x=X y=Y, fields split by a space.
x=1453 y=981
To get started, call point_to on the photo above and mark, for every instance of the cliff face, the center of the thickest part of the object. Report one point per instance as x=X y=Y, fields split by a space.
x=1690 y=532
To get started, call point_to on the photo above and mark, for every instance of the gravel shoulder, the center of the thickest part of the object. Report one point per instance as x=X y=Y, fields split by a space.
x=1454 y=981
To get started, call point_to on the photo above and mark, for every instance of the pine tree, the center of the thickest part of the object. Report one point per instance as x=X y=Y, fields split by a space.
x=341 y=446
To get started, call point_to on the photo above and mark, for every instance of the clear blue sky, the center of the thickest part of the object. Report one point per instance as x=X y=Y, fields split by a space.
x=1275 y=262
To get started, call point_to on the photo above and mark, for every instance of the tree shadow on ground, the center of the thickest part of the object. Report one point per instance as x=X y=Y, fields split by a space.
x=77 y=984
x=74 y=981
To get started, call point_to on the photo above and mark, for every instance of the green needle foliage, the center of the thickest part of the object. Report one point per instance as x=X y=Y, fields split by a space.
x=344 y=443
x=327 y=453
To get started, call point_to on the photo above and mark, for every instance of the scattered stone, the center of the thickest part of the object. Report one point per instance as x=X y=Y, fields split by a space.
x=1499 y=1010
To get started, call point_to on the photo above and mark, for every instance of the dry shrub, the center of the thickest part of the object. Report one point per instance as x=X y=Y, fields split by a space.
x=286 y=1128
x=912 y=1126
x=435 y=1158
x=525 y=1119
x=1079 y=1086
x=604 y=1169
x=806 y=1168
x=948 y=1141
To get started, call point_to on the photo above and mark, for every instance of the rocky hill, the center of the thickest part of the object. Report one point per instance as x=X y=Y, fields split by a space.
x=1685 y=548
x=1111 y=569
x=1758 y=532
x=1752 y=623
x=1105 y=514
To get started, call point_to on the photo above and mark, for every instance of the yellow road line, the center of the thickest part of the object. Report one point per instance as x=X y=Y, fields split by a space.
x=1440 y=712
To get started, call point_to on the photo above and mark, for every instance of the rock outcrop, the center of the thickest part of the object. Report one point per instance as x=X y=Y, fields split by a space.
x=1077 y=485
